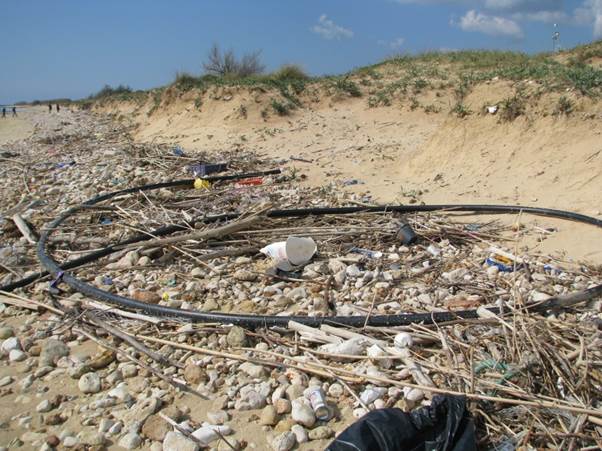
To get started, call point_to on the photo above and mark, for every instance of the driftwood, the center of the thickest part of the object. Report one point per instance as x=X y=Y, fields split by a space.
x=202 y=235
x=24 y=229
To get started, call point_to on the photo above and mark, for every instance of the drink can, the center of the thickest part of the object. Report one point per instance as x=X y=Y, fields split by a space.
x=317 y=399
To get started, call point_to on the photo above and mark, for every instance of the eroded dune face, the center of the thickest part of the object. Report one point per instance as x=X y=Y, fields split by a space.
x=411 y=150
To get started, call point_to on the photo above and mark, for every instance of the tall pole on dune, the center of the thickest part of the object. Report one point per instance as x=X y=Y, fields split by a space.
x=556 y=39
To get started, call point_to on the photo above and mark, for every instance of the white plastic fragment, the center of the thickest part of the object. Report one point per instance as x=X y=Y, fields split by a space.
x=403 y=340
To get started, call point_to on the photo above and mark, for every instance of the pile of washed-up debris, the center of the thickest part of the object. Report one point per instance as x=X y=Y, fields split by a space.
x=505 y=375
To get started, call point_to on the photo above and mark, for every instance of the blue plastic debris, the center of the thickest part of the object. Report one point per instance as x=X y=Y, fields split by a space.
x=64 y=164
x=552 y=269
x=367 y=252
x=204 y=169
x=504 y=264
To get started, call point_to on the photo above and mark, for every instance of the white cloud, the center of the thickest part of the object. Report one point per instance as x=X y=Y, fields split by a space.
x=532 y=6
x=540 y=10
x=501 y=5
x=427 y=2
x=492 y=25
x=590 y=13
x=543 y=16
x=330 y=30
x=505 y=14
x=395 y=44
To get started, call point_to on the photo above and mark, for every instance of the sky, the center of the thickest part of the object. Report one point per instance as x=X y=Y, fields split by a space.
x=71 y=48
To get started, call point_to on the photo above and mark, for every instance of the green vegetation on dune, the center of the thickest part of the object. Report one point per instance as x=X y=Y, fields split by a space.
x=446 y=74
x=481 y=65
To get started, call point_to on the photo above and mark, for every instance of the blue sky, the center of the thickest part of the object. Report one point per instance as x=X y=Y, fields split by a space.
x=71 y=48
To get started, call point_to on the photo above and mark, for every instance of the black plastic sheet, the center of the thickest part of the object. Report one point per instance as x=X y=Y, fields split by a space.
x=445 y=425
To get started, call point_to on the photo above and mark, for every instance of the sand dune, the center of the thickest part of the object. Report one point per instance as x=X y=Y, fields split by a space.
x=400 y=154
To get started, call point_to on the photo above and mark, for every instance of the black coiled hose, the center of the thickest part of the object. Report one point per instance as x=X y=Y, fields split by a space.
x=253 y=321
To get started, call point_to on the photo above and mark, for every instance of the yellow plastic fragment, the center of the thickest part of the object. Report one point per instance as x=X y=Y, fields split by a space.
x=201 y=184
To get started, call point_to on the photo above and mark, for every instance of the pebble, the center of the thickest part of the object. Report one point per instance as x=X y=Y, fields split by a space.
x=116 y=428
x=156 y=428
x=415 y=395
x=76 y=371
x=282 y=406
x=303 y=414
x=6 y=332
x=371 y=394
x=210 y=433
x=44 y=406
x=300 y=433
x=70 y=441
x=284 y=442
x=269 y=416
x=129 y=370
x=130 y=441
x=336 y=390
x=90 y=437
x=294 y=391
x=16 y=355
x=10 y=344
x=193 y=374
x=253 y=370
x=250 y=399
x=336 y=265
x=140 y=411
x=353 y=271
x=114 y=378
x=320 y=433
x=138 y=384
x=26 y=382
x=6 y=380
x=236 y=337
x=120 y=392
x=218 y=417
x=296 y=294
x=89 y=383
x=52 y=350
x=54 y=419
x=197 y=272
x=148 y=297
x=174 y=441
x=105 y=424
x=244 y=275
x=53 y=440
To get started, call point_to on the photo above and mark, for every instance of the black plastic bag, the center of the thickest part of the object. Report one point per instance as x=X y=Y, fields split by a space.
x=445 y=425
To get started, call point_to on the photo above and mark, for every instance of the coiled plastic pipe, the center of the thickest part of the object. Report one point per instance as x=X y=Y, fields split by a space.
x=253 y=321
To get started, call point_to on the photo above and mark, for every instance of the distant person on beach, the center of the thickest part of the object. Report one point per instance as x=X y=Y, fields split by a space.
x=50 y=107
x=58 y=108
x=3 y=112
x=14 y=111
